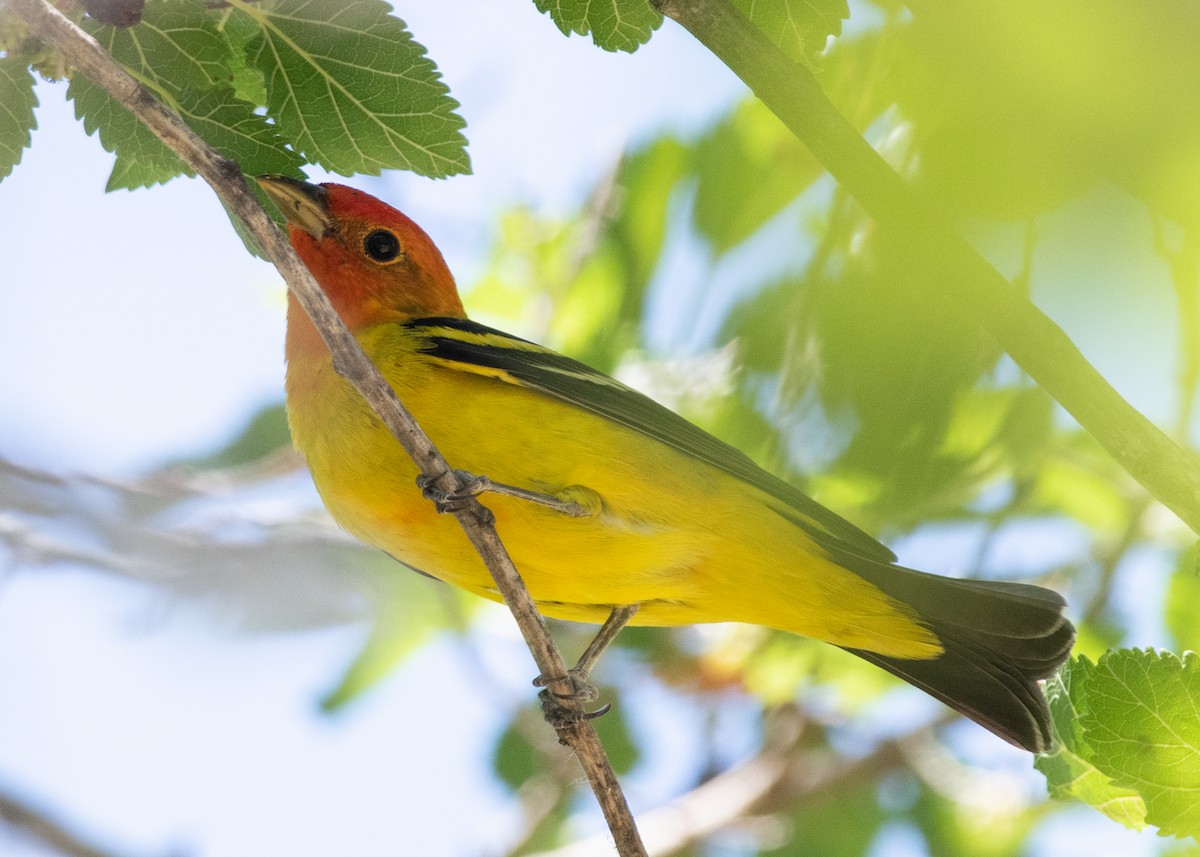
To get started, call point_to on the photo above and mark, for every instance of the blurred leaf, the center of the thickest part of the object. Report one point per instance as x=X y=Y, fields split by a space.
x=1183 y=601
x=616 y=25
x=353 y=92
x=1018 y=108
x=1139 y=726
x=16 y=111
x=1068 y=773
x=1075 y=484
x=978 y=827
x=409 y=609
x=266 y=432
x=748 y=167
x=843 y=823
x=514 y=759
x=613 y=728
x=798 y=27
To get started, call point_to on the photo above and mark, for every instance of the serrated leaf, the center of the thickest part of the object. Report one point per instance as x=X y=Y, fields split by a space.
x=798 y=27
x=142 y=159
x=1068 y=773
x=1142 y=727
x=615 y=25
x=17 y=121
x=352 y=91
x=180 y=53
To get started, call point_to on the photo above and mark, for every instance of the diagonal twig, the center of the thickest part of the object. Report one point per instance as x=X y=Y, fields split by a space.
x=226 y=179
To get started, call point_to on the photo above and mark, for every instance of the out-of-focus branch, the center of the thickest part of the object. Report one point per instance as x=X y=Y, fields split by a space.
x=39 y=825
x=783 y=775
x=225 y=177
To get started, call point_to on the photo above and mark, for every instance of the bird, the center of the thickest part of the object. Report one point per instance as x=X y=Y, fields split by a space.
x=614 y=508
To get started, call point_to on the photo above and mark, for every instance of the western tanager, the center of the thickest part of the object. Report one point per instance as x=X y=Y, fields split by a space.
x=639 y=508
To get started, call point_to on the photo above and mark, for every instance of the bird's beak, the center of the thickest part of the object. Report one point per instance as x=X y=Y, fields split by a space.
x=303 y=204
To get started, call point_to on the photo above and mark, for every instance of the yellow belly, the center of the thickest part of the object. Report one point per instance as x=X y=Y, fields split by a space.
x=686 y=541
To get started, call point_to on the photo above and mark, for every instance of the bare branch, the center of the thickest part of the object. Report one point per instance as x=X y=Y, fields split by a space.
x=50 y=831
x=782 y=775
x=226 y=179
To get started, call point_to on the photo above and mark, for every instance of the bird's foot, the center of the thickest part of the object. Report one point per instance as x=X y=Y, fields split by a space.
x=473 y=486
x=574 y=688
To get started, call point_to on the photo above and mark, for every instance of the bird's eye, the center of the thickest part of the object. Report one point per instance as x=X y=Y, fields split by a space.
x=382 y=246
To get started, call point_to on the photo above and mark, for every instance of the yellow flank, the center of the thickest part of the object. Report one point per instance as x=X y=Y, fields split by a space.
x=687 y=541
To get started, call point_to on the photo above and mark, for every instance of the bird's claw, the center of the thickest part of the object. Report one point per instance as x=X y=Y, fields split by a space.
x=578 y=690
x=453 y=501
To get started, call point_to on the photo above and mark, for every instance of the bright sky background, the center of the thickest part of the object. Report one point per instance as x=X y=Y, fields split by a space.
x=136 y=329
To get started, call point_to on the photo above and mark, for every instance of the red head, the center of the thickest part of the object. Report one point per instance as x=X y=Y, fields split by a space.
x=373 y=262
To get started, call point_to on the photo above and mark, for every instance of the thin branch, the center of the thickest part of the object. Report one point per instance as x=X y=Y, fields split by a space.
x=1035 y=342
x=226 y=179
x=40 y=825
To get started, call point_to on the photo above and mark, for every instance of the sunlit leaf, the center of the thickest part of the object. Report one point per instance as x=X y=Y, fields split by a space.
x=1068 y=772
x=1183 y=602
x=1138 y=725
x=798 y=27
x=615 y=25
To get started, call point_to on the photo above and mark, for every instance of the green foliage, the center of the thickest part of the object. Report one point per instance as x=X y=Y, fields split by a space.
x=1130 y=729
x=269 y=85
x=265 y=433
x=411 y=609
x=1183 y=602
x=16 y=111
x=183 y=57
x=799 y=27
x=615 y=25
x=1069 y=773
x=351 y=90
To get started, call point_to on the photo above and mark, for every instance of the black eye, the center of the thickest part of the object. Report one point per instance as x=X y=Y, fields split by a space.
x=382 y=246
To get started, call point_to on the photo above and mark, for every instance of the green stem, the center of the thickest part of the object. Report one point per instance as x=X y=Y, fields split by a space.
x=1035 y=342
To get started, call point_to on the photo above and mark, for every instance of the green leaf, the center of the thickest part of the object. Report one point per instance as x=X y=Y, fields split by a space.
x=515 y=759
x=180 y=53
x=1142 y=723
x=798 y=27
x=142 y=159
x=17 y=101
x=410 y=609
x=1067 y=770
x=1129 y=730
x=265 y=433
x=351 y=90
x=615 y=25
x=748 y=168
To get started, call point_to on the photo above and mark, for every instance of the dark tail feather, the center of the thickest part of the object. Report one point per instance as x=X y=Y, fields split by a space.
x=999 y=639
